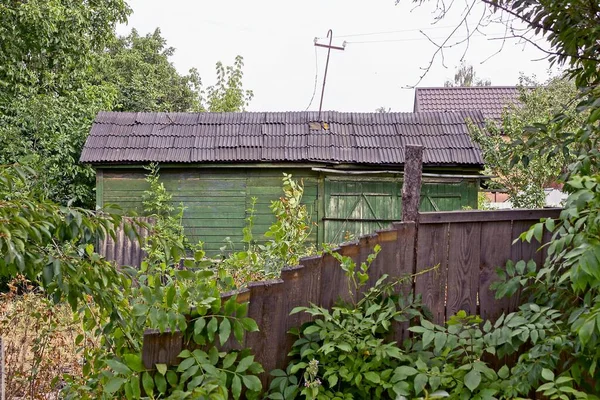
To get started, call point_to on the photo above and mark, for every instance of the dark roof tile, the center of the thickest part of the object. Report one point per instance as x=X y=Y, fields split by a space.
x=491 y=100
x=366 y=138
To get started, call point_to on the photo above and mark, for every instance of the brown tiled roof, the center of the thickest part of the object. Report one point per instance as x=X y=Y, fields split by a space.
x=355 y=138
x=491 y=100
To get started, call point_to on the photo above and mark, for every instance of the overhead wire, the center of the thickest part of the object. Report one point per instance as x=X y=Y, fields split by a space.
x=390 y=32
x=316 y=78
x=401 y=40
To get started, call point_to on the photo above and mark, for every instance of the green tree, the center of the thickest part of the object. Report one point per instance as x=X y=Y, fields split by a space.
x=501 y=144
x=145 y=79
x=465 y=76
x=61 y=63
x=45 y=45
x=228 y=94
x=47 y=101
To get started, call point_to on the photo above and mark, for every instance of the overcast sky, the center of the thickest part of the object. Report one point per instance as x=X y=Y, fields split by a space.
x=275 y=37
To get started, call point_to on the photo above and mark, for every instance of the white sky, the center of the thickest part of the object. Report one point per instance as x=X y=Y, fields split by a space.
x=275 y=37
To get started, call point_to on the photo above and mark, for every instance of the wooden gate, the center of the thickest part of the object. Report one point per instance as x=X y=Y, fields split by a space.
x=357 y=207
x=354 y=208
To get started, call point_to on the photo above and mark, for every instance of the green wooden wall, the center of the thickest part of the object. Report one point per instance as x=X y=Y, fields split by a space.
x=216 y=200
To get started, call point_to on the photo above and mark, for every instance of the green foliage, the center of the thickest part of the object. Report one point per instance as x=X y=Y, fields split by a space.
x=504 y=144
x=45 y=45
x=288 y=235
x=61 y=63
x=166 y=231
x=465 y=76
x=349 y=353
x=228 y=94
x=286 y=239
x=188 y=301
x=53 y=246
x=47 y=101
x=145 y=79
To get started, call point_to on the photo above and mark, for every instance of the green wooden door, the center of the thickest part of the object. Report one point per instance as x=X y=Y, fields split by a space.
x=448 y=196
x=358 y=207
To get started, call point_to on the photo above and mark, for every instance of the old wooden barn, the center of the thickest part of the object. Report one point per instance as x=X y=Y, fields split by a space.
x=351 y=165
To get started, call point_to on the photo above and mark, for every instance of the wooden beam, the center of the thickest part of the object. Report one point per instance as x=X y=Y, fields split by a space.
x=99 y=189
x=411 y=188
x=487 y=216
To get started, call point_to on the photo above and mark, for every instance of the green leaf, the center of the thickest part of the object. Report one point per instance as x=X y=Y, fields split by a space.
x=134 y=361
x=252 y=383
x=428 y=337
x=118 y=367
x=244 y=364
x=238 y=331
x=211 y=329
x=199 y=325
x=113 y=384
x=161 y=368
x=139 y=310
x=406 y=371
x=547 y=374
x=224 y=331
x=249 y=324
x=538 y=231
x=472 y=380
x=372 y=377
x=420 y=382
x=147 y=382
x=161 y=383
x=504 y=372
x=172 y=378
x=236 y=387
x=440 y=341
x=229 y=359
x=586 y=331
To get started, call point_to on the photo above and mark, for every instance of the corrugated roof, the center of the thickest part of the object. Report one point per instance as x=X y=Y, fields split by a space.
x=491 y=100
x=354 y=138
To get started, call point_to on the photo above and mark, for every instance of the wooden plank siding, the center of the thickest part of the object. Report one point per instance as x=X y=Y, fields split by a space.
x=467 y=246
x=217 y=200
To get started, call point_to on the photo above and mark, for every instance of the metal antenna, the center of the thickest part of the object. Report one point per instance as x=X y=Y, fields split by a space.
x=328 y=47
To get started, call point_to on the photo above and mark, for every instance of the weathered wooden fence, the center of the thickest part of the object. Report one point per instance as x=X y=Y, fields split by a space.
x=123 y=250
x=467 y=245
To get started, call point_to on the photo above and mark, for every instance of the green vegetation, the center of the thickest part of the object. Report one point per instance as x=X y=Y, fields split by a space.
x=505 y=146
x=465 y=75
x=61 y=63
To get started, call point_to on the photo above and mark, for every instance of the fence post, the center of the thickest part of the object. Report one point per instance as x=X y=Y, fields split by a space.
x=411 y=188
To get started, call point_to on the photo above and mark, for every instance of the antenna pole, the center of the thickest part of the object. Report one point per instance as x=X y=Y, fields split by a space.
x=328 y=47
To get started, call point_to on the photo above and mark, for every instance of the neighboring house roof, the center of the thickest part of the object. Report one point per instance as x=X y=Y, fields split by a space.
x=355 y=138
x=491 y=100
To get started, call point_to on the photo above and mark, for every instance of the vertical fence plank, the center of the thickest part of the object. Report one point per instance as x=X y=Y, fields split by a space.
x=266 y=308
x=433 y=251
x=161 y=348
x=334 y=283
x=496 y=239
x=403 y=265
x=301 y=287
x=522 y=250
x=463 y=267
